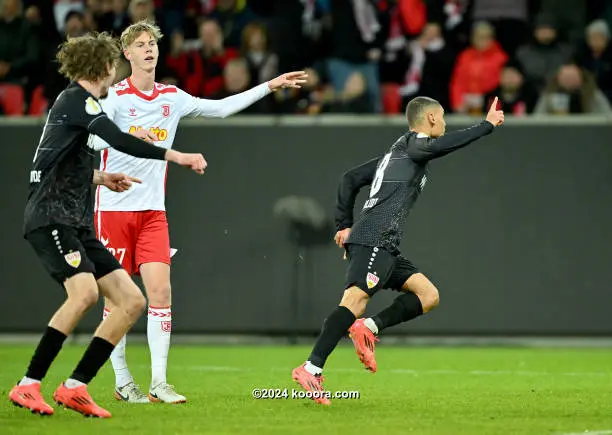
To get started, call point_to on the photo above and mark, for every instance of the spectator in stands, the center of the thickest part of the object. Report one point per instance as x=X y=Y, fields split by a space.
x=596 y=55
x=263 y=65
x=510 y=19
x=142 y=10
x=516 y=97
x=544 y=55
x=400 y=20
x=477 y=70
x=454 y=17
x=233 y=16
x=201 y=71
x=569 y=16
x=174 y=15
x=236 y=79
x=61 y=9
x=40 y=14
x=19 y=47
x=295 y=29
x=54 y=82
x=116 y=20
x=352 y=99
x=356 y=45
x=430 y=67
x=572 y=91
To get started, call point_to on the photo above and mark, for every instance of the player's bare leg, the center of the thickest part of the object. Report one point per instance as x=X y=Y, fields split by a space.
x=309 y=375
x=125 y=388
x=128 y=306
x=82 y=294
x=420 y=296
x=156 y=279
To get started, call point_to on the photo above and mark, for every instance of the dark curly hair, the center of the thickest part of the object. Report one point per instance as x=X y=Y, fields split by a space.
x=88 y=57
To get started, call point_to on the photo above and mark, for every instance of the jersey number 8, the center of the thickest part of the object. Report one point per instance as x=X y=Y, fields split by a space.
x=380 y=172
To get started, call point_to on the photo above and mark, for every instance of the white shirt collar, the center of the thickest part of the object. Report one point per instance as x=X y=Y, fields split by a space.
x=422 y=135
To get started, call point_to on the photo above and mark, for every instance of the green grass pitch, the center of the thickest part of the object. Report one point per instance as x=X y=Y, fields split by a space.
x=450 y=391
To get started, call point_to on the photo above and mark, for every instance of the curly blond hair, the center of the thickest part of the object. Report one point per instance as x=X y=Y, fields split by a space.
x=88 y=57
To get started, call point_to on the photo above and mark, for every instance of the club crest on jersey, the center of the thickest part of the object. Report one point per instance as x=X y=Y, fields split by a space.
x=165 y=110
x=73 y=259
x=92 y=106
x=372 y=280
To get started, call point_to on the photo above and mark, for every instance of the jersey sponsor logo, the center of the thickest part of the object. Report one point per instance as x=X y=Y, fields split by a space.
x=161 y=133
x=372 y=280
x=132 y=111
x=166 y=326
x=92 y=106
x=165 y=110
x=73 y=259
x=35 y=176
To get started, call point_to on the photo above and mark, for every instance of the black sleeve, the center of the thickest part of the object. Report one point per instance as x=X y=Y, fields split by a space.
x=352 y=181
x=427 y=149
x=124 y=142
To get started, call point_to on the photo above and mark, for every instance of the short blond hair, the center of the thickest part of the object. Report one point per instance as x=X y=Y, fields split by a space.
x=130 y=34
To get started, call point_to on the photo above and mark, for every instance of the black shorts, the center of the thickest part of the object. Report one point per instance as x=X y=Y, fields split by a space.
x=66 y=251
x=372 y=269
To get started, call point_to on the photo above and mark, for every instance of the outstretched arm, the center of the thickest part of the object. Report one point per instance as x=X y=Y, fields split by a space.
x=352 y=181
x=235 y=103
x=427 y=149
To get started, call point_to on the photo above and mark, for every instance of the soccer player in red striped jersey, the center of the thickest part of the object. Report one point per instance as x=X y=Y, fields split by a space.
x=134 y=226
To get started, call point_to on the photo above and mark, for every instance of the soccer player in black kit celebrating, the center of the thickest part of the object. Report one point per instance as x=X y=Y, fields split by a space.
x=58 y=223
x=372 y=244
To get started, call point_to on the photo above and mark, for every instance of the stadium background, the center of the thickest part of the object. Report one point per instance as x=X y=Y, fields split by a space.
x=514 y=230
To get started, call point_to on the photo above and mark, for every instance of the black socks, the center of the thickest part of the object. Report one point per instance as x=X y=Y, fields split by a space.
x=48 y=347
x=334 y=328
x=95 y=356
x=405 y=307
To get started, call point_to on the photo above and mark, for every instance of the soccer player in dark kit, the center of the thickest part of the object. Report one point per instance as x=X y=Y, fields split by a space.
x=58 y=223
x=372 y=244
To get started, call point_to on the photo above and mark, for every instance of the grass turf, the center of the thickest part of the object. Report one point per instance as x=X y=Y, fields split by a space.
x=450 y=391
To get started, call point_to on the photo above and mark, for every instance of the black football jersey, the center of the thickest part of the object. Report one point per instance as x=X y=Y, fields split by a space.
x=396 y=180
x=62 y=170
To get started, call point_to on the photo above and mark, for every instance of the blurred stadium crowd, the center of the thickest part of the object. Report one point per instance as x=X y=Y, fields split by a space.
x=363 y=56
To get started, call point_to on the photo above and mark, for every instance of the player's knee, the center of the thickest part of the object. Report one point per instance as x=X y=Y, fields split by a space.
x=431 y=299
x=85 y=298
x=136 y=304
x=133 y=302
x=355 y=300
x=159 y=294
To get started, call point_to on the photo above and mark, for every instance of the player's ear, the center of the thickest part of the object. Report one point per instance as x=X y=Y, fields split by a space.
x=431 y=117
x=127 y=54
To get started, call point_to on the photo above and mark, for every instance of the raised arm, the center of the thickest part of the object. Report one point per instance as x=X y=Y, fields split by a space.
x=235 y=103
x=352 y=181
x=427 y=149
